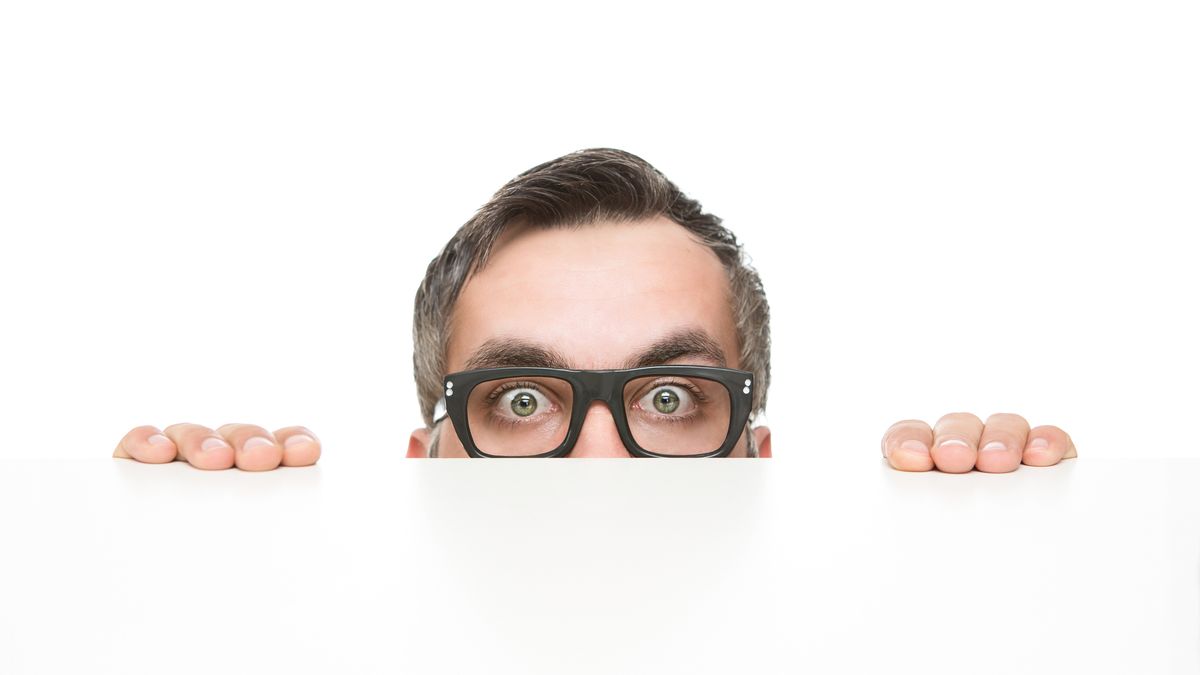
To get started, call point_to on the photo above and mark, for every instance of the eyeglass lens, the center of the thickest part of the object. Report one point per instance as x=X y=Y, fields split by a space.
x=667 y=414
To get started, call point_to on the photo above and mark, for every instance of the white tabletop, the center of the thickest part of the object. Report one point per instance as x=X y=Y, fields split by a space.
x=578 y=566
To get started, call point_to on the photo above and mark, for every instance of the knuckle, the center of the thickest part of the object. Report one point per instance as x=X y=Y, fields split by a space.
x=906 y=428
x=1051 y=430
x=186 y=429
x=143 y=429
x=1007 y=419
x=288 y=432
x=233 y=426
x=237 y=432
x=1008 y=438
x=960 y=418
x=129 y=440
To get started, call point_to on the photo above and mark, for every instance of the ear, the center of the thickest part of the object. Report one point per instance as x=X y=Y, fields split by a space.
x=418 y=443
x=762 y=438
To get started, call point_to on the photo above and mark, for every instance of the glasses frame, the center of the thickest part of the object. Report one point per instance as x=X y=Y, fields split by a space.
x=599 y=385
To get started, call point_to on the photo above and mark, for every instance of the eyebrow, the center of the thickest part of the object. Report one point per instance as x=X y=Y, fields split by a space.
x=514 y=353
x=517 y=353
x=689 y=342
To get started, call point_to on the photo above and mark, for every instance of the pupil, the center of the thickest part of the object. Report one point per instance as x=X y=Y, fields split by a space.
x=524 y=405
x=666 y=401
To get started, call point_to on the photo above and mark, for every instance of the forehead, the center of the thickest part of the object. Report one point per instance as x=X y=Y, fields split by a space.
x=597 y=294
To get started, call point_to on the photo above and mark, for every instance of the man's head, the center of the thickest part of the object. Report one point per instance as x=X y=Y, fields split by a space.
x=590 y=261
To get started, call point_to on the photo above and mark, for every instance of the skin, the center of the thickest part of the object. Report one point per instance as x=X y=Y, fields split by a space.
x=657 y=279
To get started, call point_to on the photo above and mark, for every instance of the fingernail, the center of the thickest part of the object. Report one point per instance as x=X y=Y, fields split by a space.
x=913 y=445
x=1039 y=443
x=256 y=441
x=213 y=443
x=159 y=439
x=994 y=446
x=953 y=441
x=297 y=440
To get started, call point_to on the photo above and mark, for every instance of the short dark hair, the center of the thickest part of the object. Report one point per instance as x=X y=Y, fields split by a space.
x=582 y=188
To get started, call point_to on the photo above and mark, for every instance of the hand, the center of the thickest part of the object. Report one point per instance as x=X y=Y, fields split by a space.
x=247 y=446
x=959 y=441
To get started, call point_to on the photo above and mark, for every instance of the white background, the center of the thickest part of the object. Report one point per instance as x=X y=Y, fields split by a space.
x=220 y=211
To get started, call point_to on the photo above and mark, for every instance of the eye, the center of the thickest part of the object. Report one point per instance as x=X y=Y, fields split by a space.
x=668 y=400
x=521 y=403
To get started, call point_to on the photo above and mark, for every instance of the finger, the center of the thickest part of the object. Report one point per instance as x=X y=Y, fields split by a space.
x=1002 y=443
x=202 y=447
x=955 y=438
x=256 y=447
x=906 y=445
x=1047 y=446
x=300 y=446
x=146 y=444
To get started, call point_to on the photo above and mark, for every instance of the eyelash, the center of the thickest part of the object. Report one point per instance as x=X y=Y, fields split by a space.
x=509 y=386
x=693 y=389
x=494 y=395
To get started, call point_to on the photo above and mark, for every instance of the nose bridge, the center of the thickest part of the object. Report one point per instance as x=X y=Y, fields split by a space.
x=599 y=386
x=599 y=437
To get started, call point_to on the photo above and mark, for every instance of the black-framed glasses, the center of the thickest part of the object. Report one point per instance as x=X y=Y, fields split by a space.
x=660 y=411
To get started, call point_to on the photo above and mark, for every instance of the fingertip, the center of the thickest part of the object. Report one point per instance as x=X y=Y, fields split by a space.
x=905 y=461
x=911 y=455
x=906 y=445
x=955 y=458
x=146 y=444
x=1047 y=445
x=301 y=447
x=992 y=464
x=259 y=453
x=302 y=454
x=212 y=453
x=1040 y=457
x=956 y=442
x=159 y=449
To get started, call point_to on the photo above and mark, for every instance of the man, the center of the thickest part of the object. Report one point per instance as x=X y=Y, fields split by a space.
x=591 y=309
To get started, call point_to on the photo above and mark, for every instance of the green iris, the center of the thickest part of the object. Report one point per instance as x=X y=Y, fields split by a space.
x=524 y=405
x=666 y=401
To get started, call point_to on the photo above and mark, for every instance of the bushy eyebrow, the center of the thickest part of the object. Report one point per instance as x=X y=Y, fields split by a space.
x=689 y=342
x=517 y=353
x=514 y=353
